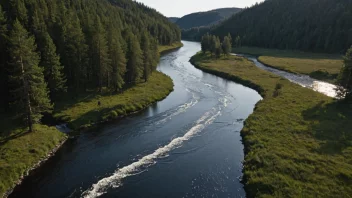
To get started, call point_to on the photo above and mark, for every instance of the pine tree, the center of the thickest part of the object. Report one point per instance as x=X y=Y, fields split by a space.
x=118 y=63
x=344 y=90
x=74 y=51
x=101 y=55
x=147 y=56
x=30 y=91
x=226 y=46
x=155 y=53
x=204 y=44
x=134 y=60
x=218 y=49
x=53 y=70
x=213 y=45
x=230 y=38
x=20 y=11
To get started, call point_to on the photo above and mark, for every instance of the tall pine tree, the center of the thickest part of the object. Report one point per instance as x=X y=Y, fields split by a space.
x=226 y=45
x=100 y=57
x=134 y=59
x=147 y=56
x=74 y=51
x=118 y=63
x=30 y=91
x=53 y=70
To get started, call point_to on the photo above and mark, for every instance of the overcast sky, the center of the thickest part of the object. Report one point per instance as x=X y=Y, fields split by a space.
x=179 y=8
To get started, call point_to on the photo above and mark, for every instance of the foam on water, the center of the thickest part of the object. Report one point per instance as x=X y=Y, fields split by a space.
x=115 y=180
x=181 y=109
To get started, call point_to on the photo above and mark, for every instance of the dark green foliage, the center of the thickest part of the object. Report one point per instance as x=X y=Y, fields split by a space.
x=30 y=94
x=226 y=45
x=118 y=62
x=53 y=70
x=307 y=25
x=147 y=56
x=100 y=56
x=212 y=44
x=345 y=78
x=81 y=43
x=134 y=60
x=200 y=19
x=195 y=34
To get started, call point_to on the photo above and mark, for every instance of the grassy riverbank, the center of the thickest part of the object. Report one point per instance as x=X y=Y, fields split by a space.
x=21 y=151
x=298 y=143
x=84 y=111
x=324 y=67
x=166 y=48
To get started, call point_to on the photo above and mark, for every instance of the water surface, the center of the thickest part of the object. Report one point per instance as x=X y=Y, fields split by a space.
x=188 y=145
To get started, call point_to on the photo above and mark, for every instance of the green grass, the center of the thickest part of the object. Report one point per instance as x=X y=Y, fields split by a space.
x=20 y=151
x=324 y=67
x=166 y=48
x=298 y=142
x=84 y=111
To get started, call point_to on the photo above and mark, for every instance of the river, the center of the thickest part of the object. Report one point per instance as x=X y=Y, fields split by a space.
x=188 y=145
x=300 y=79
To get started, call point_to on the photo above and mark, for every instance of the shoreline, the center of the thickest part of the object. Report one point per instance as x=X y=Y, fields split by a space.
x=37 y=165
x=78 y=130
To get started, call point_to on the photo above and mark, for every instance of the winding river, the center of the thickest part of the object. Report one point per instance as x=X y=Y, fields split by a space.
x=188 y=145
x=303 y=80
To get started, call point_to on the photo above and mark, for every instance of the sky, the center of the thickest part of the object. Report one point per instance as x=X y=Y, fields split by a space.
x=179 y=8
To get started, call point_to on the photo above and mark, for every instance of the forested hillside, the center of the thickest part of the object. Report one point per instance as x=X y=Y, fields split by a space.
x=49 y=47
x=173 y=19
x=200 y=19
x=310 y=25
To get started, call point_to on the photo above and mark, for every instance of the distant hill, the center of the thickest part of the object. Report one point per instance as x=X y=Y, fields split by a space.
x=173 y=19
x=208 y=18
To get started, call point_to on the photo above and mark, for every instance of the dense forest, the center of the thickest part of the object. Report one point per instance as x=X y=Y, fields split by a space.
x=309 y=25
x=49 y=47
x=208 y=18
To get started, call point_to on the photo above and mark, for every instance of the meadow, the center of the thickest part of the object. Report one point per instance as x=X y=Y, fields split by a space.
x=325 y=67
x=298 y=142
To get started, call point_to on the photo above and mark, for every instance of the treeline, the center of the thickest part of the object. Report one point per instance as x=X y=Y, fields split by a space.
x=196 y=33
x=344 y=81
x=49 y=47
x=308 y=25
x=212 y=44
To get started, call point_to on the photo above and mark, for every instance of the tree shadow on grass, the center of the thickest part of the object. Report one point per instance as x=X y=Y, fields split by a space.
x=332 y=124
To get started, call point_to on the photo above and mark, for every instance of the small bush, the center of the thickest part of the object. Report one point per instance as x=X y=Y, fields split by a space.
x=277 y=90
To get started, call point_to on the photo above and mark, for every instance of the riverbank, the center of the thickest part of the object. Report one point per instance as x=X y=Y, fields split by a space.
x=84 y=111
x=21 y=152
x=325 y=67
x=166 y=48
x=297 y=141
